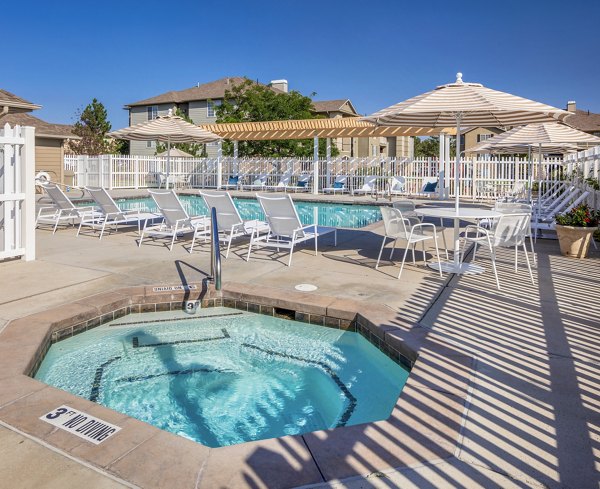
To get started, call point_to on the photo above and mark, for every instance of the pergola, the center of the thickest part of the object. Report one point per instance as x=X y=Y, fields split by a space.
x=346 y=127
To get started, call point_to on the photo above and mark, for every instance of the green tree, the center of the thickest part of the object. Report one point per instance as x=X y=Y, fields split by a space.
x=250 y=102
x=430 y=147
x=92 y=126
x=195 y=149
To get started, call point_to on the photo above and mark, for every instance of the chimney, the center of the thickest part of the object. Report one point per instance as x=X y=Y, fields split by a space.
x=571 y=106
x=280 y=85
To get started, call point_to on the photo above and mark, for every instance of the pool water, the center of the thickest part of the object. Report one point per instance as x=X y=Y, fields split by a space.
x=336 y=215
x=226 y=376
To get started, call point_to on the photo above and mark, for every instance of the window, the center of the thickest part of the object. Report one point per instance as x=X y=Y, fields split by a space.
x=483 y=137
x=149 y=144
x=152 y=112
x=210 y=107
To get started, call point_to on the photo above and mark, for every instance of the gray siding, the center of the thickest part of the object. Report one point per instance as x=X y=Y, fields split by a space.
x=198 y=113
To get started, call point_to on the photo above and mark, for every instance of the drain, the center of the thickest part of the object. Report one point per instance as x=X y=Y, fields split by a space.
x=306 y=287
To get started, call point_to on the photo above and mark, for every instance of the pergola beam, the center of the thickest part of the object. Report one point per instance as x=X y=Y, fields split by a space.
x=349 y=127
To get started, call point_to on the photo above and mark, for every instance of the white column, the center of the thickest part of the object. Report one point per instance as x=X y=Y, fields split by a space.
x=28 y=187
x=219 y=163
x=316 y=166
x=328 y=162
x=447 y=164
x=236 y=164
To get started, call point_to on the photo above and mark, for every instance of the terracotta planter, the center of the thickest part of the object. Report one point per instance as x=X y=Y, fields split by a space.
x=574 y=241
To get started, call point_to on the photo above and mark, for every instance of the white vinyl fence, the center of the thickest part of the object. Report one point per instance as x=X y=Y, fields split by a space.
x=17 y=192
x=480 y=178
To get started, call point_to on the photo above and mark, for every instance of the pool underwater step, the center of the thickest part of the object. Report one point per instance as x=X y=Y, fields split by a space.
x=136 y=344
x=190 y=318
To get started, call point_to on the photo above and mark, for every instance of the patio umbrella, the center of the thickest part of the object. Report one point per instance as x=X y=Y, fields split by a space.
x=465 y=104
x=550 y=137
x=175 y=153
x=167 y=129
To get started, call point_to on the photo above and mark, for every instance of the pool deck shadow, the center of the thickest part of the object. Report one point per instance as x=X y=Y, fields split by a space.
x=503 y=393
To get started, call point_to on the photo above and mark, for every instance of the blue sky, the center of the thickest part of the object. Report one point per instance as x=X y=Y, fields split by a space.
x=374 y=53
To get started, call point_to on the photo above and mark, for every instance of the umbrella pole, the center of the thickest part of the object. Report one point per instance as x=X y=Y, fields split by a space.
x=456 y=257
x=539 y=198
x=168 y=159
x=530 y=179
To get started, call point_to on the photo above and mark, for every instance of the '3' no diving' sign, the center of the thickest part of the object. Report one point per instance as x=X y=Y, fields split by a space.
x=80 y=424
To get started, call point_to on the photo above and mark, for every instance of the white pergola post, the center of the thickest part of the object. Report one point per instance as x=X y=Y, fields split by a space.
x=316 y=166
x=219 y=163
x=447 y=163
x=328 y=154
x=236 y=164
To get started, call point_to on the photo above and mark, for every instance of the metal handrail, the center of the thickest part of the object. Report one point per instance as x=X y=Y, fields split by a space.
x=215 y=250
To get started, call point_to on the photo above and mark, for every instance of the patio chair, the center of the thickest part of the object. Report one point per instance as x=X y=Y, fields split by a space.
x=339 y=185
x=285 y=229
x=302 y=184
x=230 y=224
x=233 y=182
x=176 y=221
x=410 y=229
x=259 y=183
x=368 y=186
x=517 y=191
x=407 y=208
x=510 y=231
x=517 y=208
x=110 y=214
x=283 y=183
x=62 y=210
x=397 y=185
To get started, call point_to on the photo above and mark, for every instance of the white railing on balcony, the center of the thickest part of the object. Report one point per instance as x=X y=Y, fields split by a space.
x=480 y=178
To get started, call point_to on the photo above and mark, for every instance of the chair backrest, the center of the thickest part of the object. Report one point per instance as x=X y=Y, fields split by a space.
x=58 y=197
x=394 y=223
x=104 y=201
x=398 y=184
x=281 y=214
x=428 y=181
x=511 y=229
x=285 y=179
x=227 y=213
x=517 y=189
x=369 y=182
x=406 y=207
x=169 y=206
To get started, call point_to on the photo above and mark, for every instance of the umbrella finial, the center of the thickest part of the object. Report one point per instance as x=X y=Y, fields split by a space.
x=459 y=78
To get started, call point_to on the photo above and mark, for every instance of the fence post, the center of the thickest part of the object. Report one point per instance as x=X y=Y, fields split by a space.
x=328 y=154
x=316 y=166
x=28 y=188
x=219 y=163
x=136 y=172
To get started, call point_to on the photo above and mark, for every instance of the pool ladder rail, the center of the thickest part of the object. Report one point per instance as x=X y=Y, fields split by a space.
x=215 y=250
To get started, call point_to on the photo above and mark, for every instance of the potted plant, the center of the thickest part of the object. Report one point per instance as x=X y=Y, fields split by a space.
x=575 y=230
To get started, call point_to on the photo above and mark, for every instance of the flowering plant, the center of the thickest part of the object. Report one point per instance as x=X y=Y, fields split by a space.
x=580 y=216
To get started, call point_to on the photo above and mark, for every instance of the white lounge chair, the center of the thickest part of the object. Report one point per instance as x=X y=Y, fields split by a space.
x=109 y=213
x=176 y=220
x=283 y=183
x=259 y=183
x=368 y=186
x=302 y=184
x=429 y=187
x=62 y=210
x=285 y=229
x=233 y=182
x=509 y=232
x=229 y=222
x=396 y=226
x=397 y=186
x=339 y=185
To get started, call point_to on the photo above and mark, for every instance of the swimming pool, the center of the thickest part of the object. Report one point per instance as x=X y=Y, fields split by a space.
x=336 y=215
x=226 y=376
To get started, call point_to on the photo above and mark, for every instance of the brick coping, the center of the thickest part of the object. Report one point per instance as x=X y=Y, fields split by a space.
x=424 y=425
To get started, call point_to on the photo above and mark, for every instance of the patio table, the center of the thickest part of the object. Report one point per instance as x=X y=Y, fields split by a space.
x=476 y=213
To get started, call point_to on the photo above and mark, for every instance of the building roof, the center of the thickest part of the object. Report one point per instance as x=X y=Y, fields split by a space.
x=211 y=90
x=14 y=103
x=42 y=128
x=584 y=120
x=334 y=106
x=308 y=128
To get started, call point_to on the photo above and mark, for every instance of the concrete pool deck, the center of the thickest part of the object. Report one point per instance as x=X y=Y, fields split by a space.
x=525 y=407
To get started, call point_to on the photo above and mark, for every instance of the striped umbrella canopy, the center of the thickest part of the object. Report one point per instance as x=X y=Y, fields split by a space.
x=167 y=129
